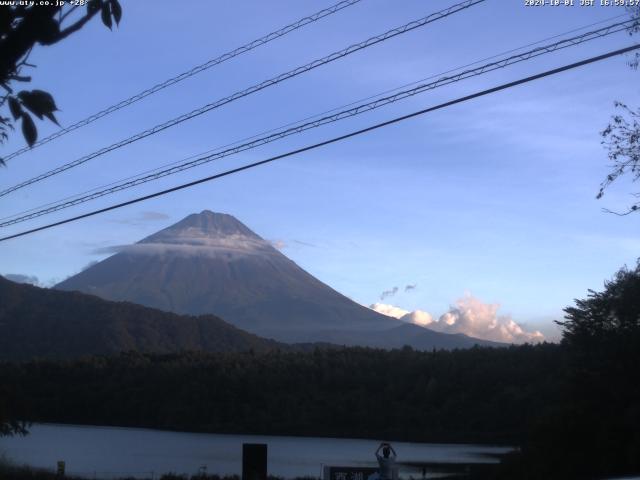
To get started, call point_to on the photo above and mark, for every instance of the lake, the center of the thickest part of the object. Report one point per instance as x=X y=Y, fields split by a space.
x=108 y=452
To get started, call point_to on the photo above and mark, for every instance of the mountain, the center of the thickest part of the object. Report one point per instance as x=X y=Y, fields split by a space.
x=39 y=322
x=398 y=336
x=212 y=263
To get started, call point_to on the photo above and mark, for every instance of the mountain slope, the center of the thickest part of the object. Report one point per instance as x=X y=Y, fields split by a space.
x=212 y=263
x=404 y=334
x=39 y=322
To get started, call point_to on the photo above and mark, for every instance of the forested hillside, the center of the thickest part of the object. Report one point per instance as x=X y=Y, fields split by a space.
x=468 y=395
x=39 y=322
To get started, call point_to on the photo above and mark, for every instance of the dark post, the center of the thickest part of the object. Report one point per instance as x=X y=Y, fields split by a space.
x=254 y=461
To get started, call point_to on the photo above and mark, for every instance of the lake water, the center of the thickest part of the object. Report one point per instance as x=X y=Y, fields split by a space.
x=109 y=452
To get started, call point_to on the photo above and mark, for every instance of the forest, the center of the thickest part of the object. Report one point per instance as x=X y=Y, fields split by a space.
x=573 y=408
x=401 y=394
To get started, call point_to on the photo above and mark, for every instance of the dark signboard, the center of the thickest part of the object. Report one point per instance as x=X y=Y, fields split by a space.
x=254 y=461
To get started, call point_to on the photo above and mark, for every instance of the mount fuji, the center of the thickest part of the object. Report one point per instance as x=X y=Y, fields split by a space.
x=211 y=263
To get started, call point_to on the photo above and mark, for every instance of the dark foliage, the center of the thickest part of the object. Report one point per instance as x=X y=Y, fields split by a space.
x=622 y=139
x=22 y=27
x=593 y=429
x=8 y=423
x=13 y=472
x=38 y=322
x=574 y=419
x=480 y=394
x=622 y=136
x=610 y=315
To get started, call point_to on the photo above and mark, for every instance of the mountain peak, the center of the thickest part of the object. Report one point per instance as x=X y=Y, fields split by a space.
x=214 y=222
x=206 y=224
x=213 y=215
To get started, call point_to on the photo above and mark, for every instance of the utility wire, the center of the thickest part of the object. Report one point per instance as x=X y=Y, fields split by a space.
x=355 y=102
x=253 y=89
x=482 y=93
x=190 y=73
x=525 y=56
x=139 y=179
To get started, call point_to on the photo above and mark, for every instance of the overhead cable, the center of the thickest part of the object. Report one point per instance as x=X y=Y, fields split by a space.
x=482 y=93
x=351 y=112
x=253 y=89
x=189 y=73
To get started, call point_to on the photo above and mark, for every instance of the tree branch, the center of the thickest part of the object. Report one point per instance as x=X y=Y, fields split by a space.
x=75 y=26
x=20 y=78
x=633 y=209
x=65 y=15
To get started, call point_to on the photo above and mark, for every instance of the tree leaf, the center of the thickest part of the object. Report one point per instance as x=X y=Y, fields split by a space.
x=15 y=107
x=46 y=99
x=38 y=102
x=29 y=129
x=93 y=6
x=32 y=106
x=48 y=31
x=52 y=117
x=106 y=15
x=116 y=10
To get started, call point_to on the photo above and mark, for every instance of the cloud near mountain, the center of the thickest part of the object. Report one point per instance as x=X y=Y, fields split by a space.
x=194 y=244
x=417 y=317
x=470 y=316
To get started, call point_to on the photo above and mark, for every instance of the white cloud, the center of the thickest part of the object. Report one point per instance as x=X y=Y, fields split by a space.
x=195 y=244
x=477 y=319
x=470 y=316
x=389 y=310
x=279 y=244
x=418 y=317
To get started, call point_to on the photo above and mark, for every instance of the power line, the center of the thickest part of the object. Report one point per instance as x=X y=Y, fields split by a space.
x=380 y=102
x=190 y=73
x=237 y=142
x=333 y=140
x=253 y=89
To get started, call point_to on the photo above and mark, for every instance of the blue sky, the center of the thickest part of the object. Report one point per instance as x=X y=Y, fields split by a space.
x=495 y=197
